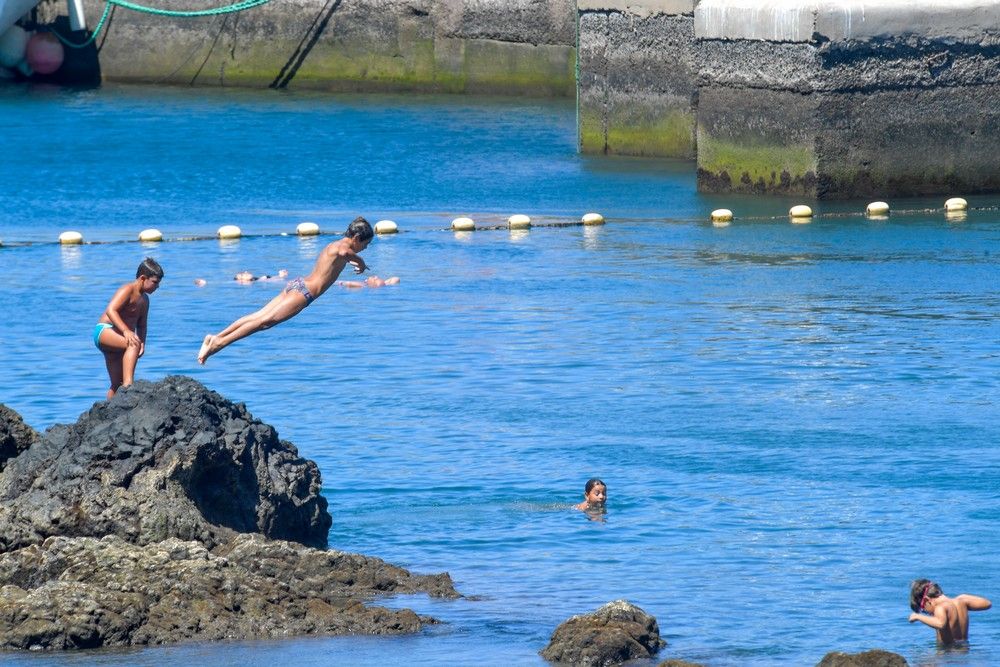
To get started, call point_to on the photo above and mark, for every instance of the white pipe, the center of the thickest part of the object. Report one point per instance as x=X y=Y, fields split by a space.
x=77 y=19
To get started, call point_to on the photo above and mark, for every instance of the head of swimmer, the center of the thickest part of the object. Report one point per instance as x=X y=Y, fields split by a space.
x=149 y=274
x=595 y=493
x=360 y=233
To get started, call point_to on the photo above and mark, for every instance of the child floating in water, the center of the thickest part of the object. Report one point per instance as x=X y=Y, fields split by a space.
x=300 y=292
x=120 y=333
x=595 y=494
x=371 y=281
x=948 y=616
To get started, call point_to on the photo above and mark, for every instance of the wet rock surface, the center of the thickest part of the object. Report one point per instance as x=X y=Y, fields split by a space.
x=872 y=658
x=170 y=514
x=611 y=635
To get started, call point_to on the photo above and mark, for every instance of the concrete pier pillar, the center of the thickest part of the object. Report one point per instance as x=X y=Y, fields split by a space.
x=635 y=84
x=853 y=98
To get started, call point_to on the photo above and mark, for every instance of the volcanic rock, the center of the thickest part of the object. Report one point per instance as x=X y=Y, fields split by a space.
x=872 y=658
x=610 y=635
x=15 y=435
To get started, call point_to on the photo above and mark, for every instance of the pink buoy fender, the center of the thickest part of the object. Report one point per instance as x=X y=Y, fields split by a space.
x=44 y=53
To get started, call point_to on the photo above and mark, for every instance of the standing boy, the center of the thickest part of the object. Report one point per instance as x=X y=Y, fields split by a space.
x=300 y=292
x=948 y=616
x=121 y=332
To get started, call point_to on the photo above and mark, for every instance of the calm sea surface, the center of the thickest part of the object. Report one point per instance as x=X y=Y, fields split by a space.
x=793 y=421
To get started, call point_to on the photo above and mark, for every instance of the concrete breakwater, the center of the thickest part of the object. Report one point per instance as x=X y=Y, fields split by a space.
x=795 y=97
x=524 y=47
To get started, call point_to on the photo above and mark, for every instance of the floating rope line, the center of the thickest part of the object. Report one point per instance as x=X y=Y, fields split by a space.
x=176 y=13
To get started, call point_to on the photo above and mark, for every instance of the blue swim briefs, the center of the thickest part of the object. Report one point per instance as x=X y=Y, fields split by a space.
x=101 y=326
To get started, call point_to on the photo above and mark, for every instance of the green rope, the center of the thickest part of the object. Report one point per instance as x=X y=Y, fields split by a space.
x=215 y=11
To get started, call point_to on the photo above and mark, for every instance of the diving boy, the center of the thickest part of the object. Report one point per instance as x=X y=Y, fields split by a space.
x=300 y=292
x=948 y=616
x=120 y=334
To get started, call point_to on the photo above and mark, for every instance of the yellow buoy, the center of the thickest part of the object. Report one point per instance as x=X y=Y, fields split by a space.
x=518 y=221
x=71 y=238
x=307 y=229
x=592 y=219
x=229 y=232
x=956 y=204
x=722 y=215
x=386 y=227
x=800 y=213
x=877 y=208
x=150 y=235
x=956 y=216
x=463 y=224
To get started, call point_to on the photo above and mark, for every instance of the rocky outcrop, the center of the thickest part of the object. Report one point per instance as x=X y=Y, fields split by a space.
x=872 y=658
x=161 y=460
x=15 y=435
x=169 y=514
x=675 y=662
x=611 y=635
x=84 y=592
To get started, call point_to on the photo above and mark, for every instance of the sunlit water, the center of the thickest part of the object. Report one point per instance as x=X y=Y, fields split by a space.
x=793 y=421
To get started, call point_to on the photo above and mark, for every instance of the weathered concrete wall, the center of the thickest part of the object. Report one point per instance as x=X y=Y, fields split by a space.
x=848 y=99
x=494 y=46
x=636 y=86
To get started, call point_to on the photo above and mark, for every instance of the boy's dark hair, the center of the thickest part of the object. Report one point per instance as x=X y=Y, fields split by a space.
x=591 y=483
x=149 y=268
x=359 y=229
x=920 y=588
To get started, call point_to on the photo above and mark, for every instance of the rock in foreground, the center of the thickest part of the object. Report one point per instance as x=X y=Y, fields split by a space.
x=160 y=460
x=612 y=634
x=872 y=658
x=84 y=592
x=168 y=514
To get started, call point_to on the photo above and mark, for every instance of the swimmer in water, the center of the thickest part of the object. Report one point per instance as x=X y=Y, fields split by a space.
x=948 y=616
x=245 y=277
x=595 y=494
x=371 y=281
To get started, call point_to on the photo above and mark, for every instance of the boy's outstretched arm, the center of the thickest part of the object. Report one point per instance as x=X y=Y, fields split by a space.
x=975 y=602
x=938 y=621
x=355 y=259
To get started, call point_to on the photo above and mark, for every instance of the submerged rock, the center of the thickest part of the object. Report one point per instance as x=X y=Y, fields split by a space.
x=168 y=514
x=872 y=658
x=610 y=635
x=15 y=435
x=160 y=460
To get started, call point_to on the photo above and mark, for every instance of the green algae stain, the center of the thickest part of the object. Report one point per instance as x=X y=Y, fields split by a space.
x=671 y=135
x=591 y=131
x=755 y=162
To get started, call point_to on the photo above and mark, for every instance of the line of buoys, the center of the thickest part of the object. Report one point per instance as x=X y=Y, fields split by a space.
x=71 y=238
x=877 y=209
x=592 y=219
x=386 y=227
x=956 y=204
x=150 y=236
x=463 y=224
x=229 y=232
x=307 y=229
x=519 y=221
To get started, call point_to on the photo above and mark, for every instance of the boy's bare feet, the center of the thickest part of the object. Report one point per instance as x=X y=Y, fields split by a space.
x=205 y=352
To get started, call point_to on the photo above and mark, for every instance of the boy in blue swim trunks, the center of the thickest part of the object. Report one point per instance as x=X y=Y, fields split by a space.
x=120 y=334
x=300 y=292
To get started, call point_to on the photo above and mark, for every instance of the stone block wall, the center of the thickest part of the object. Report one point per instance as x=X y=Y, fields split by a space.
x=838 y=100
x=636 y=90
x=521 y=47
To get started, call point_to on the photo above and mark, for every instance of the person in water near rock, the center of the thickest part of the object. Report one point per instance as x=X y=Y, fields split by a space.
x=300 y=292
x=120 y=333
x=370 y=281
x=948 y=616
x=595 y=494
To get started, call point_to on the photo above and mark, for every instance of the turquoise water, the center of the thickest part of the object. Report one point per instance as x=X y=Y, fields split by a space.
x=793 y=421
